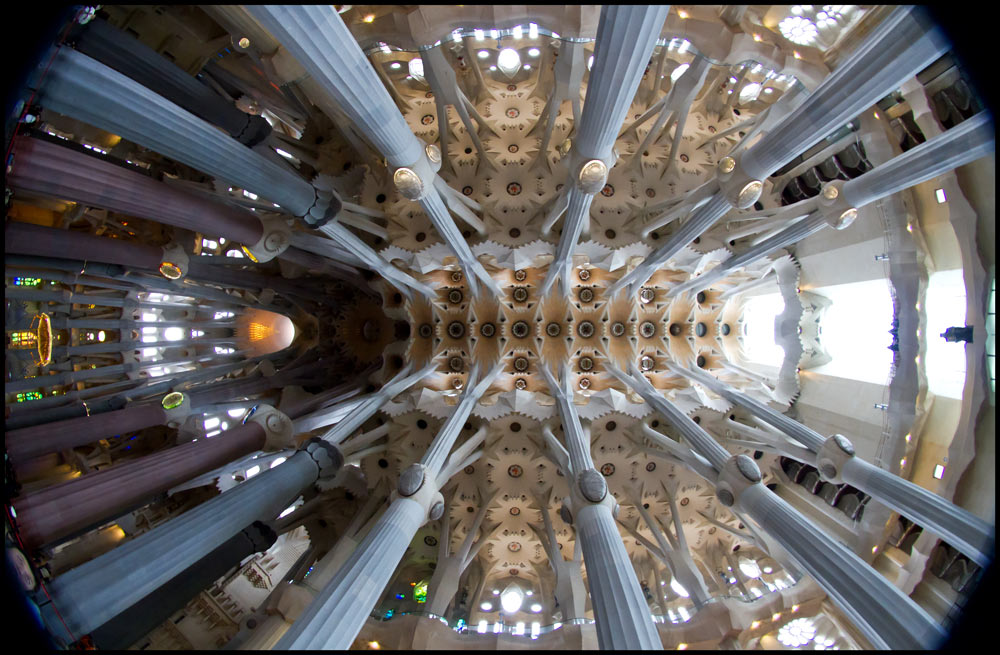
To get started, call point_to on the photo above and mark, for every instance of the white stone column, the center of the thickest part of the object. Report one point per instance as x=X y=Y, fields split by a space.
x=93 y=593
x=337 y=614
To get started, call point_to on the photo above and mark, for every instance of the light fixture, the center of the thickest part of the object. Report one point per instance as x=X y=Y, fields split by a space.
x=483 y=54
x=374 y=645
x=532 y=31
x=244 y=43
x=682 y=13
x=874 y=549
x=395 y=65
x=536 y=608
x=494 y=34
x=798 y=30
x=493 y=68
x=172 y=400
x=938 y=471
x=278 y=461
x=795 y=608
x=481 y=628
x=288 y=510
x=486 y=606
x=370 y=18
x=749 y=92
x=508 y=61
x=170 y=270
x=534 y=52
x=527 y=67
x=940 y=195
x=496 y=592
x=768 y=90
x=517 y=32
x=590 y=62
x=776 y=616
x=416 y=68
x=511 y=599
x=756 y=37
x=749 y=568
x=478 y=34
x=755 y=625
x=679 y=589
x=680 y=70
x=529 y=593
x=767 y=569
x=682 y=646
x=876 y=115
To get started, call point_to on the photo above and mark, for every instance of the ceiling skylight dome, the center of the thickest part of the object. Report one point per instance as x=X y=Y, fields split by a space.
x=508 y=61
x=749 y=93
x=678 y=72
x=798 y=30
x=511 y=599
x=416 y=68
x=797 y=633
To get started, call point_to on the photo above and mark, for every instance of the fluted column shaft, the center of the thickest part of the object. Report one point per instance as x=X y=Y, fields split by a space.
x=58 y=171
x=898 y=48
x=131 y=625
x=129 y=56
x=626 y=37
x=327 y=50
x=95 y=592
x=65 y=509
x=84 y=88
x=27 y=239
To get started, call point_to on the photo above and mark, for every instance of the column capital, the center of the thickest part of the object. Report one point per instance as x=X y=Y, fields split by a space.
x=177 y=406
x=832 y=456
x=416 y=483
x=739 y=188
x=416 y=180
x=327 y=457
x=835 y=208
x=175 y=262
x=737 y=474
x=274 y=240
x=277 y=426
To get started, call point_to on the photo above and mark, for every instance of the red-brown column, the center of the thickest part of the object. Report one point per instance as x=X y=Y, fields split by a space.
x=38 y=440
x=59 y=171
x=64 y=509
x=27 y=239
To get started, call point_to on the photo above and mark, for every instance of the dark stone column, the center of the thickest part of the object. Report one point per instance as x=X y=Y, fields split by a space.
x=28 y=239
x=71 y=507
x=134 y=623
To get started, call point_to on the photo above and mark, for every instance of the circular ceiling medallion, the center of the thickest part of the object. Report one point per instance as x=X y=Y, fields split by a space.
x=511 y=87
x=701 y=361
x=685 y=501
x=520 y=383
x=608 y=191
x=521 y=364
x=520 y=294
x=608 y=470
x=515 y=471
x=520 y=275
x=456 y=330
x=428 y=95
x=586 y=294
x=611 y=426
x=487 y=330
x=456 y=276
x=701 y=329
x=430 y=540
x=646 y=363
x=514 y=546
x=701 y=297
x=684 y=158
x=512 y=148
x=711 y=530
x=515 y=511
x=650 y=193
x=646 y=295
x=513 y=188
x=513 y=112
x=711 y=129
x=553 y=329
x=467 y=190
x=515 y=572
x=584 y=383
x=675 y=329
x=427 y=119
x=648 y=329
x=584 y=274
x=726 y=329
x=586 y=364
x=456 y=363
x=650 y=466
x=520 y=329
x=455 y=296
x=585 y=329
x=617 y=329
x=470 y=469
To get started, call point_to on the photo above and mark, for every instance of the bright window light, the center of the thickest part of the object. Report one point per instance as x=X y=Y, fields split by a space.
x=173 y=333
x=797 y=633
x=798 y=30
x=252 y=196
x=939 y=471
x=416 y=68
x=536 y=629
x=493 y=68
x=286 y=155
x=757 y=592
x=483 y=54
x=395 y=65
x=235 y=253
x=508 y=61
x=519 y=628
x=252 y=471
x=212 y=422
x=278 y=461
x=532 y=31
x=534 y=52
x=679 y=588
x=759 y=315
x=497 y=627
x=749 y=92
x=517 y=32
x=749 y=568
x=288 y=510
x=481 y=629
x=236 y=413
x=486 y=606
x=496 y=592
x=590 y=62
x=511 y=599
x=478 y=34
x=494 y=34
x=685 y=45
x=536 y=608
x=946 y=307
x=680 y=70
x=859 y=308
x=684 y=613
x=149 y=316
x=941 y=197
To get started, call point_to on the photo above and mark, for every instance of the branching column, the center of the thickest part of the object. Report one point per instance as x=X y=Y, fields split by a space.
x=888 y=617
x=626 y=37
x=95 y=592
x=620 y=610
x=836 y=462
x=334 y=619
x=897 y=49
